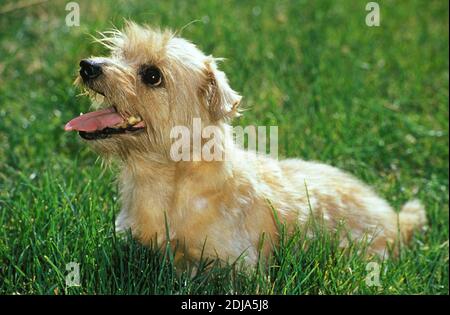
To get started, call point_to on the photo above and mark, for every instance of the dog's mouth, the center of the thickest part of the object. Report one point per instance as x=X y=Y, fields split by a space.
x=104 y=123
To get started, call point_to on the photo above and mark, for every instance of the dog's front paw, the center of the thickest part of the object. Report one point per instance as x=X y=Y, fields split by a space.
x=122 y=224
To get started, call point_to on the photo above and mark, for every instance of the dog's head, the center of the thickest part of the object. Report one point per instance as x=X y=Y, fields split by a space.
x=151 y=82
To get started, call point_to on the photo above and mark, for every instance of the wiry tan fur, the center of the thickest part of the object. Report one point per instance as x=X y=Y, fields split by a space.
x=220 y=207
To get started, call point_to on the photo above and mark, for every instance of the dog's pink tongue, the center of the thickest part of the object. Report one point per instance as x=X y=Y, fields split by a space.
x=93 y=121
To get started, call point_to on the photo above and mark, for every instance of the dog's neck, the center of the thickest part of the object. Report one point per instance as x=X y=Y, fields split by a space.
x=151 y=188
x=158 y=170
x=154 y=188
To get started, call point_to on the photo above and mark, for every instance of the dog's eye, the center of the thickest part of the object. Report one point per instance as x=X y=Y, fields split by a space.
x=151 y=76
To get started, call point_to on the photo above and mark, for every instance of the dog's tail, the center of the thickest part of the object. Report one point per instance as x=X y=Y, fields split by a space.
x=412 y=217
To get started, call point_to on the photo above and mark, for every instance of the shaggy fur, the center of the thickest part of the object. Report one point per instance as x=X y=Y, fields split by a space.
x=220 y=207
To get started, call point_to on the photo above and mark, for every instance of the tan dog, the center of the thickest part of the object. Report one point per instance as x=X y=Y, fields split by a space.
x=154 y=81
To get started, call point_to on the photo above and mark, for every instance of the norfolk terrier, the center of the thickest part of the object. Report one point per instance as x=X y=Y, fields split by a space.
x=154 y=81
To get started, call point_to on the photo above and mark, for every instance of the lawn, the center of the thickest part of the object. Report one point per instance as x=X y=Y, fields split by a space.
x=370 y=100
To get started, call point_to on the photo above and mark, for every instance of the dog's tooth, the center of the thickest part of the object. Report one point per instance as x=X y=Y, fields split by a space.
x=132 y=120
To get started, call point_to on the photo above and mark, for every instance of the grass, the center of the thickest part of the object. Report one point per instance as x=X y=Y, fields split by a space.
x=372 y=101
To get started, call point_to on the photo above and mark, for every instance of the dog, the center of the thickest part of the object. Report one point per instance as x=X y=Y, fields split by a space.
x=154 y=81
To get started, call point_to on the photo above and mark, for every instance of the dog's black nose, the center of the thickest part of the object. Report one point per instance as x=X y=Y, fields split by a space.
x=89 y=69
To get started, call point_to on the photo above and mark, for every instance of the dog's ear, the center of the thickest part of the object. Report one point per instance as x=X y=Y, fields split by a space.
x=222 y=101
